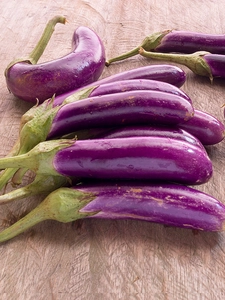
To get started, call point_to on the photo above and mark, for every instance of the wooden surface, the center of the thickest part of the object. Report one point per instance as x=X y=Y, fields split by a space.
x=108 y=260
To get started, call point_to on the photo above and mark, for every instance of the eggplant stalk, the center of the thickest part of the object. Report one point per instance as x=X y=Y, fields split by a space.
x=195 y=61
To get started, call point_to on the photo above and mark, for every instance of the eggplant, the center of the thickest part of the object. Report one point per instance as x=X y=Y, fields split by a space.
x=145 y=130
x=137 y=84
x=139 y=158
x=124 y=108
x=163 y=73
x=168 y=204
x=201 y=63
x=30 y=81
x=177 y=41
x=205 y=127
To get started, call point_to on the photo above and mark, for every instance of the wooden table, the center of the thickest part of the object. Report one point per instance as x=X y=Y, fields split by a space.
x=106 y=259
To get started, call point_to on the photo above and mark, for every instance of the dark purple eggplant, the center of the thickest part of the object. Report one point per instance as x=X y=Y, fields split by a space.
x=163 y=73
x=179 y=42
x=83 y=65
x=138 y=158
x=201 y=63
x=202 y=129
x=145 y=130
x=208 y=129
x=132 y=107
x=167 y=204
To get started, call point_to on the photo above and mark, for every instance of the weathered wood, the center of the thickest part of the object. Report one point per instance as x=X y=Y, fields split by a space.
x=95 y=259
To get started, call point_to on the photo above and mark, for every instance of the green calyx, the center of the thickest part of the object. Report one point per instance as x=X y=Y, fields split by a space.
x=63 y=205
x=195 y=61
x=150 y=43
x=39 y=159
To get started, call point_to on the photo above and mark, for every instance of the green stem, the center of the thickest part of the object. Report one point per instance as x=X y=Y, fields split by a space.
x=42 y=43
x=63 y=205
x=149 y=44
x=39 y=159
x=195 y=61
x=6 y=175
x=41 y=184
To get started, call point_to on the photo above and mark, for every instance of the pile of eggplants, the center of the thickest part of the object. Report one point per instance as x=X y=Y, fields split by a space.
x=128 y=146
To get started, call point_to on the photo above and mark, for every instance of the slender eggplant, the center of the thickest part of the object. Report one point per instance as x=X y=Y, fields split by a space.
x=124 y=108
x=163 y=73
x=83 y=65
x=137 y=84
x=156 y=158
x=167 y=204
x=201 y=63
x=202 y=129
x=208 y=129
x=179 y=42
x=145 y=130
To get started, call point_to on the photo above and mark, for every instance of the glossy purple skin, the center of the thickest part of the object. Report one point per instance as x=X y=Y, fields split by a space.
x=137 y=84
x=157 y=131
x=168 y=204
x=139 y=158
x=190 y=42
x=216 y=63
x=165 y=73
x=82 y=66
x=124 y=108
x=208 y=129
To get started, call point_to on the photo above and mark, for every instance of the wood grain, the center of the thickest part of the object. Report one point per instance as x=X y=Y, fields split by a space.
x=92 y=259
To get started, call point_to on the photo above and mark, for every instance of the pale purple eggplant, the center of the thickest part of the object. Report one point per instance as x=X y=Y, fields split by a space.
x=208 y=129
x=139 y=158
x=168 y=204
x=30 y=81
x=132 y=107
x=162 y=73
x=201 y=63
x=177 y=41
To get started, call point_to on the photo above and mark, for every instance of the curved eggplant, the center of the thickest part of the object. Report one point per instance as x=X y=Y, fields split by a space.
x=82 y=66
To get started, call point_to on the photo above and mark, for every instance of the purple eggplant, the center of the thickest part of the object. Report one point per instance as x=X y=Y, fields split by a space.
x=83 y=65
x=163 y=73
x=145 y=130
x=167 y=204
x=201 y=63
x=201 y=129
x=157 y=158
x=179 y=42
x=208 y=129
x=137 y=84
x=132 y=107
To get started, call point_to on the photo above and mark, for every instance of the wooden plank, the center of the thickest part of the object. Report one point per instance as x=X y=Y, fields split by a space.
x=106 y=259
